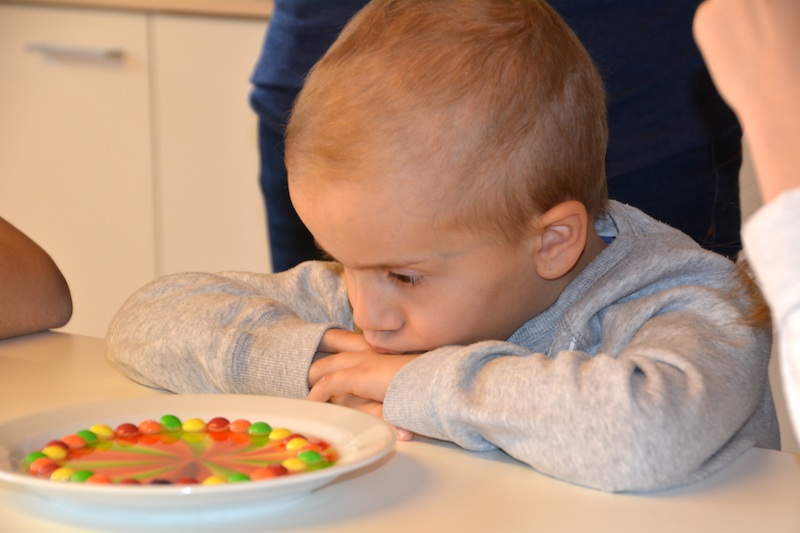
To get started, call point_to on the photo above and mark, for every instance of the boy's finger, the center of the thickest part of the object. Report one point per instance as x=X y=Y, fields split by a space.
x=324 y=389
x=328 y=365
x=340 y=340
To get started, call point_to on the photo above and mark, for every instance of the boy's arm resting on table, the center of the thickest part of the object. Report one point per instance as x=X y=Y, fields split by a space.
x=229 y=332
x=652 y=409
x=34 y=296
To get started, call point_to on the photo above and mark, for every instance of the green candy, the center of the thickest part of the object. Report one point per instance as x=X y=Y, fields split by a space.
x=259 y=428
x=88 y=436
x=310 y=457
x=238 y=478
x=171 y=423
x=31 y=457
x=81 y=476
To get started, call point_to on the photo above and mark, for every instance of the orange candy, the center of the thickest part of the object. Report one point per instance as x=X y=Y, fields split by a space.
x=74 y=442
x=240 y=426
x=40 y=463
x=266 y=472
x=150 y=427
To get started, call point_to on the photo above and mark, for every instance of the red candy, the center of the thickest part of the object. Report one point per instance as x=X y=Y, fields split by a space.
x=222 y=436
x=218 y=424
x=290 y=437
x=48 y=469
x=266 y=472
x=58 y=443
x=126 y=431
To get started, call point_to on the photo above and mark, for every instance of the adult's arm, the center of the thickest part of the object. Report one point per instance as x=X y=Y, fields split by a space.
x=752 y=48
x=34 y=295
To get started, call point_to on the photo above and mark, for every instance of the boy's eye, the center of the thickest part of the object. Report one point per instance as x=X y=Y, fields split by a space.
x=404 y=279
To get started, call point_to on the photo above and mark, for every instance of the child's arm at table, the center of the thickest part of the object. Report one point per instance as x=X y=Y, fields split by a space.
x=229 y=332
x=676 y=389
x=664 y=411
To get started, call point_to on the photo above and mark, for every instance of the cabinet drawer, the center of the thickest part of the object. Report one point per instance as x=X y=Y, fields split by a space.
x=75 y=148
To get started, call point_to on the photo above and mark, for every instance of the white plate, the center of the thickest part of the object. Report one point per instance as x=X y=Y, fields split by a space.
x=359 y=438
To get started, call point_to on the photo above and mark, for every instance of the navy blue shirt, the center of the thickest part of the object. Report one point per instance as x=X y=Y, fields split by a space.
x=661 y=99
x=300 y=31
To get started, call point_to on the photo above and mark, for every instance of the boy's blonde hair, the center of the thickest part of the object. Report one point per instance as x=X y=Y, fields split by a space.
x=494 y=106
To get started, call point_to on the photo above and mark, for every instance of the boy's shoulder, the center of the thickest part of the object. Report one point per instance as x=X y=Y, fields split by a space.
x=645 y=256
x=646 y=239
x=645 y=268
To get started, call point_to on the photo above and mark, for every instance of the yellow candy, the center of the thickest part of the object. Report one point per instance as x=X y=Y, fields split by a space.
x=279 y=434
x=193 y=425
x=103 y=445
x=214 y=480
x=293 y=464
x=55 y=453
x=62 y=474
x=296 y=443
x=193 y=438
x=102 y=431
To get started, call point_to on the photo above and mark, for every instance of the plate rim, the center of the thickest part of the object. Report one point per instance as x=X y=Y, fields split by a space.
x=384 y=443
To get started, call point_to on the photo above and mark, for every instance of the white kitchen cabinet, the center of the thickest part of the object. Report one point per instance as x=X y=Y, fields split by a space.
x=127 y=147
x=75 y=149
x=211 y=215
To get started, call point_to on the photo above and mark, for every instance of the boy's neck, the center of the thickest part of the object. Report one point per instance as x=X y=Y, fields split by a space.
x=594 y=245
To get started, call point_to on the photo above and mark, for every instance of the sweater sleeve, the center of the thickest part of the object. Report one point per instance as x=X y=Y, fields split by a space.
x=770 y=243
x=663 y=400
x=229 y=332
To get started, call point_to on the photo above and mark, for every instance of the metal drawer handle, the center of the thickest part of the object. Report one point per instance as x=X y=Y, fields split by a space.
x=74 y=52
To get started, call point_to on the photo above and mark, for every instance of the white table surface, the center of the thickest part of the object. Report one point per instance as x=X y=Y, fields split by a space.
x=421 y=486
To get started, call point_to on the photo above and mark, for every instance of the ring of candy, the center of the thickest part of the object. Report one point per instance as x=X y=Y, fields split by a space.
x=171 y=451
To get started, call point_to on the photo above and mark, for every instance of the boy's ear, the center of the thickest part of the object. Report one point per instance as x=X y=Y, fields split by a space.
x=562 y=234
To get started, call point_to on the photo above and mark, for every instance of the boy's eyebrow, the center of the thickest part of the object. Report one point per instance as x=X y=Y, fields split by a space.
x=327 y=256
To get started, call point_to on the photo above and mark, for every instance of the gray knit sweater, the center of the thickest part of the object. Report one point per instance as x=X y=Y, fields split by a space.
x=641 y=376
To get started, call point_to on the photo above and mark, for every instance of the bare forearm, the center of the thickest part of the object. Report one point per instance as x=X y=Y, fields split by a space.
x=34 y=295
x=752 y=49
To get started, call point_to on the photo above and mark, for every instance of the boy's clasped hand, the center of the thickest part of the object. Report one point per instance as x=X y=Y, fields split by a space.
x=349 y=372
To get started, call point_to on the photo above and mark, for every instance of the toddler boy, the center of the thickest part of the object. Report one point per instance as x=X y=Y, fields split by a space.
x=449 y=157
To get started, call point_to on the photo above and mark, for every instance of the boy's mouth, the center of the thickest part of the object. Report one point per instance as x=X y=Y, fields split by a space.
x=385 y=351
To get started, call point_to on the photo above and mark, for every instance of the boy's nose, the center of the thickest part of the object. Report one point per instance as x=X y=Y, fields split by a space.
x=372 y=310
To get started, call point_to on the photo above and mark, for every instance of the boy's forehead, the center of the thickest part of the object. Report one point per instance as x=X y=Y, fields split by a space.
x=381 y=169
x=376 y=222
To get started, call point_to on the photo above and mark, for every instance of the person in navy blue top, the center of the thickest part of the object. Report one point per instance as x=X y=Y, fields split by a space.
x=674 y=148
x=300 y=31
